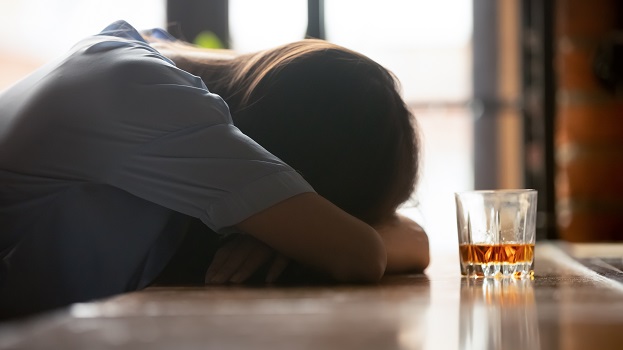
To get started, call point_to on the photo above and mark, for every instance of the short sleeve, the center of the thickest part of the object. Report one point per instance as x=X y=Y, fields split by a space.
x=212 y=172
x=157 y=132
x=191 y=158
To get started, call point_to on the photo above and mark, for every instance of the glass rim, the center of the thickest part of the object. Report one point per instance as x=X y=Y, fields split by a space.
x=501 y=191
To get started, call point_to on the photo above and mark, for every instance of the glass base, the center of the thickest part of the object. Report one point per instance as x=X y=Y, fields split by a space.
x=498 y=270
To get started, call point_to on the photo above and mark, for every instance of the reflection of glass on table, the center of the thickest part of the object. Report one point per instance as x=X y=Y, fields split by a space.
x=498 y=314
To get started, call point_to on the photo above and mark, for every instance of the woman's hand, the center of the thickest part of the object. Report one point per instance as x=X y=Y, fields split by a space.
x=240 y=258
x=406 y=244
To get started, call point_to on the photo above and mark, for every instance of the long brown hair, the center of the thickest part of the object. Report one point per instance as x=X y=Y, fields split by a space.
x=334 y=115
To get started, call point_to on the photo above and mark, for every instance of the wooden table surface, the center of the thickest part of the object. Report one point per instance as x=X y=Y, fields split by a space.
x=566 y=306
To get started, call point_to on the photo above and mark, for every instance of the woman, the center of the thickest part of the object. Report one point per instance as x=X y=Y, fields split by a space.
x=108 y=155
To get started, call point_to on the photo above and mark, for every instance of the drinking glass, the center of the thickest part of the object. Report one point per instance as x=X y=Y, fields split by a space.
x=496 y=230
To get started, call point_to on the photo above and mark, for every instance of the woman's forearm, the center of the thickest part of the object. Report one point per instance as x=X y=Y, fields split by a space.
x=406 y=245
x=312 y=231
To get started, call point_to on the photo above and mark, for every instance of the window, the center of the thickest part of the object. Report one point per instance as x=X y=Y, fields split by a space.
x=35 y=31
x=256 y=25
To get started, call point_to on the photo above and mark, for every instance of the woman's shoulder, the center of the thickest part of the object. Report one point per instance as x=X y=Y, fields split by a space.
x=121 y=58
x=119 y=61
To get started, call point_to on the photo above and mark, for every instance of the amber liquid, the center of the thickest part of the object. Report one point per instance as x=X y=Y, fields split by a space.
x=510 y=253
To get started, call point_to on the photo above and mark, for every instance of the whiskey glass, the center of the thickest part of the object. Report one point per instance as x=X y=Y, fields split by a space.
x=496 y=232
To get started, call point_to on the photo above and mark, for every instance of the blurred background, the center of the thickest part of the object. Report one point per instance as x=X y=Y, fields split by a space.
x=507 y=94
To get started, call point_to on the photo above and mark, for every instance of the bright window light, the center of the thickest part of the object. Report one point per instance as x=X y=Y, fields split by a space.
x=256 y=25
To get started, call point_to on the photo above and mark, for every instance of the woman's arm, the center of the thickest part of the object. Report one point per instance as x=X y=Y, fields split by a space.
x=406 y=244
x=312 y=231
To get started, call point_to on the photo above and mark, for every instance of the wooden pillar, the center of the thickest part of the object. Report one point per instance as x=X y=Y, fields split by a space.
x=589 y=125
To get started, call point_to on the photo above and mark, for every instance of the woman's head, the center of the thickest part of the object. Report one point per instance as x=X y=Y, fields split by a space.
x=332 y=114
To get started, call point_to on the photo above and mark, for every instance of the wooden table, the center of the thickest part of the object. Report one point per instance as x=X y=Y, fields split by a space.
x=566 y=306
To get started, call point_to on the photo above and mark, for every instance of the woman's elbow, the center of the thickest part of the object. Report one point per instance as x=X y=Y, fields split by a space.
x=363 y=268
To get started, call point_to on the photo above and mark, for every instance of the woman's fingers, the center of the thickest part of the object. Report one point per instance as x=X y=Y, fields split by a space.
x=276 y=268
x=240 y=258
x=227 y=260
x=259 y=256
x=220 y=257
